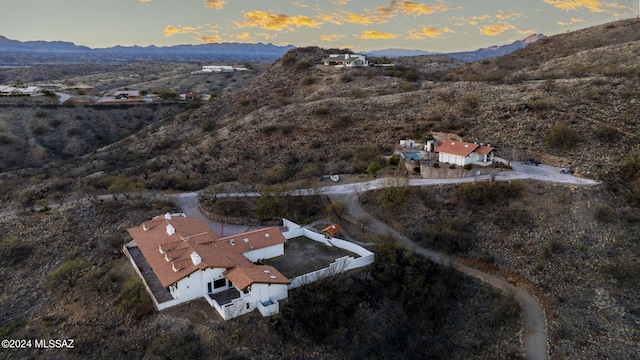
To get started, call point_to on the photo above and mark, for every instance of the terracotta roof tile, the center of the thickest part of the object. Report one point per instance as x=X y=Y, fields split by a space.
x=193 y=235
x=459 y=148
x=332 y=229
x=242 y=277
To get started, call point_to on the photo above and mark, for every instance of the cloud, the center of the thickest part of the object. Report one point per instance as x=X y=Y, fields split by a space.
x=571 y=22
x=145 y=1
x=508 y=15
x=426 y=32
x=342 y=17
x=245 y=36
x=275 y=22
x=595 y=6
x=170 y=30
x=474 y=20
x=496 y=29
x=300 y=4
x=331 y=37
x=340 y=2
x=208 y=39
x=377 y=35
x=215 y=4
x=412 y=8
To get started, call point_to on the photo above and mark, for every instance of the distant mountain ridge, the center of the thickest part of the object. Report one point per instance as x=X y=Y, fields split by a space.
x=14 y=52
x=467 y=56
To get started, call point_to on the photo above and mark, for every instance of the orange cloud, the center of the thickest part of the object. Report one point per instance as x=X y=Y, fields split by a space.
x=208 y=39
x=352 y=18
x=331 y=37
x=509 y=15
x=245 y=36
x=276 y=22
x=496 y=29
x=215 y=4
x=145 y=1
x=426 y=32
x=412 y=8
x=377 y=35
x=595 y=6
x=570 y=22
x=170 y=30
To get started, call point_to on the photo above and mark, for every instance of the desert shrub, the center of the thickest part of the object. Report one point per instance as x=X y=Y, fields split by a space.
x=288 y=59
x=39 y=130
x=356 y=92
x=308 y=80
x=230 y=207
x=395 y=194
x=177 y=345
x=452 y=166
x=411 y=75
x=345 y=78
x=133 y=299
x=68 y=274
x=538 y=104
x=373 y=168
x=450 y=234
x=481 y=194
x=436 y=165
x=607 y=134
x=321 y=110
x=338 y=208
x=562 y=136
x=626 y=270
x=549 y=248
x=13 y=251
x=604 y=213
x=275 y=175
x=394 y=160
x=340 y=121
x=303 y=64
x=468 y=166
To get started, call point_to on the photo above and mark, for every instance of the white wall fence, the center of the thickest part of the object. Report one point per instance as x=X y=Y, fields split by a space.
x=341 y=265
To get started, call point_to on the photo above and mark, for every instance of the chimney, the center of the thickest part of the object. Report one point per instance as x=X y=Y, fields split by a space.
x=167 y=216
x=346 y=56
x=171 y=230
x=195 y=258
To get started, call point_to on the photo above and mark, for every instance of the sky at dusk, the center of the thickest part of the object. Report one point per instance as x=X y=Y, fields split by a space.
x=434 y=25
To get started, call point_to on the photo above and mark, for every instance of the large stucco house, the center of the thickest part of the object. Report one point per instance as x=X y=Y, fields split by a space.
x=181 y=259
x=346 y=60
x=463 y=153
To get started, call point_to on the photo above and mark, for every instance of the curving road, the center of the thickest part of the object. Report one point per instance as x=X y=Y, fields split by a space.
x=534 y=335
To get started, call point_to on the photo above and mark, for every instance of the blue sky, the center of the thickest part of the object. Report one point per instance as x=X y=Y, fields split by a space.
x=435 y=25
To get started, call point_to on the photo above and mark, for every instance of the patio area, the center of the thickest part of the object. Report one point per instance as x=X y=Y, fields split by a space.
x=303 y=255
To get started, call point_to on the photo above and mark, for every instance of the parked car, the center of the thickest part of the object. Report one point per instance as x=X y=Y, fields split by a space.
x=532 y=161
x=565 y=170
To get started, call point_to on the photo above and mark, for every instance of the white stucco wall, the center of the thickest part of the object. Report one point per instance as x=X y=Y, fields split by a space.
x=265 y=253
x=453 y=159
x=190 y=288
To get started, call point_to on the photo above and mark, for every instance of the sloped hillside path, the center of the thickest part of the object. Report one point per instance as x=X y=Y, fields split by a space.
x=534 y=335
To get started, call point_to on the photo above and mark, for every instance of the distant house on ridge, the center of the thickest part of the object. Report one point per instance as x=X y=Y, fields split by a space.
x=346 y=60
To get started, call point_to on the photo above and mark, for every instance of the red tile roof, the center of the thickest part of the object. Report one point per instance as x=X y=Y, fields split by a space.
x=484 y=149
x=242 y=277
x=461 y=148
x=167 y=243
x=332 y=229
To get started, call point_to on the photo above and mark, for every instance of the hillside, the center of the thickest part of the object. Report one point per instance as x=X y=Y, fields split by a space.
x=570 y=99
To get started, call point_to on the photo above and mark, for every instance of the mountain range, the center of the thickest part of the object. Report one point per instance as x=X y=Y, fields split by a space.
x=18 y=53
x=467 y=56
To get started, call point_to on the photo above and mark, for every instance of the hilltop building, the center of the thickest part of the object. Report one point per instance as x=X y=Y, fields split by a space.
x=346 y=60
